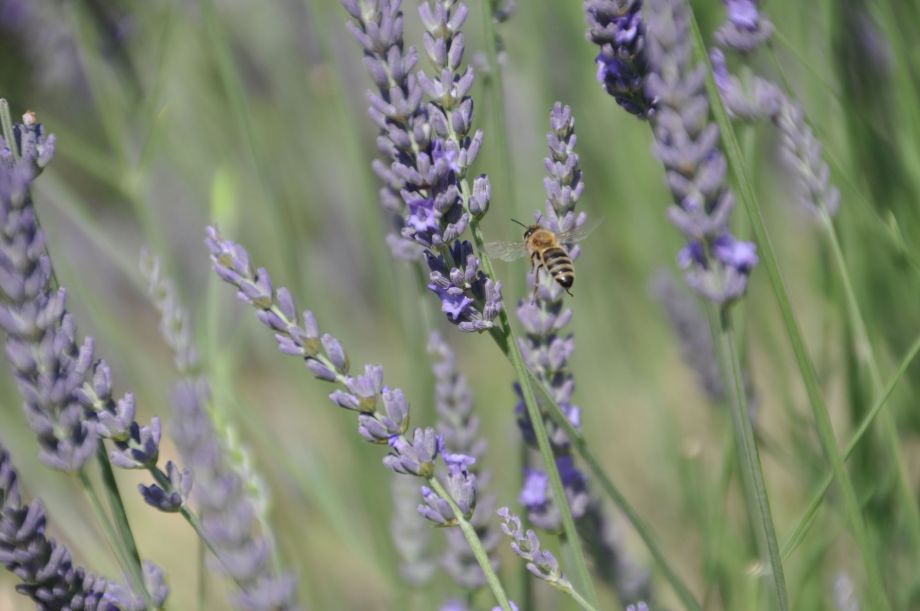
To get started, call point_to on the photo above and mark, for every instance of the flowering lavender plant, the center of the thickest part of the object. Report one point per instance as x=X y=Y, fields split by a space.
x=428 y=150
x=716 y=264
x=745 y=28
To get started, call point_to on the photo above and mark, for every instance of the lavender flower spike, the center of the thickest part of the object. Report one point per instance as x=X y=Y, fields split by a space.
x=541 y=563
x=45 y=568
x=616 y=26
x=411 y=536
x=41 y=346
x=382 y=413
x=428 y=151
x=459 y=425
x=715 y=263
x=801 y=152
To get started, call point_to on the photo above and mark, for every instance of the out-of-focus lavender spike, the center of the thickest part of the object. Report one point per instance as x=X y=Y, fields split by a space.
x=695 y=340
x=614 y=563
x=801 y=152
x=396 y=106
x=745 y=28
x=641 y=606
x=459 y=425
x=232 y=500
x=229 y=513
x=692 y=331
x=382 y=413
x=759 y=99
x=174 y=324
x=844 y=593
x=715 y=263
x=616 y=26
x=44 y=568
x=411 y=535
x=428 y=150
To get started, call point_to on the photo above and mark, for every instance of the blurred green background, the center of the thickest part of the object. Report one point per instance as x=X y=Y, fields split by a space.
x=176 y=113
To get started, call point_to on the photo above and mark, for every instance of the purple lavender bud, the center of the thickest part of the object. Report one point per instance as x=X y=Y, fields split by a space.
x=745 y=29
x=381 y=427
x=801 y=152
x=43 y=567
x=142 y=448
x=481 y=196
x=231 y=505
x=758 y=99
x=436 y=509
x=641 y=606
x=415 y=456
x=616 y=27
x=173 y=497
x=717 y=266
x=541 y=563
x=536 y=496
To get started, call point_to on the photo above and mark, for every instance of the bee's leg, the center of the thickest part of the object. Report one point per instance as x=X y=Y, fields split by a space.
x=536 y=283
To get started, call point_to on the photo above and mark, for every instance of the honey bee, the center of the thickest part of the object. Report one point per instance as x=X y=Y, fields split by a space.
x=547 y=250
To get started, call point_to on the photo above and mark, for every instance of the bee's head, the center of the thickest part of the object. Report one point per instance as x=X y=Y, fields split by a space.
x=528 y=229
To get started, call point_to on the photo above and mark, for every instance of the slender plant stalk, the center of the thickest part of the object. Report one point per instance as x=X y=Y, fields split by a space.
x=202 y=576
x=536 y=417
x=122 y=526
x=806 y=366
x=866 y=357
x=808 y=516
x=751 y=469
x=96 y=503
x=475 y=545
x=7 y=126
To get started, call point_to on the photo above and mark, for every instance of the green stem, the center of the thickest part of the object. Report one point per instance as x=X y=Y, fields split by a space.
x=808 y=516
x=584 y=604
x=103 y=519
x=122 y=526
x=478 y=550
x=804 y=362
x=536 y=418
x=865 y=354
x=202 y=576
x=752 y=471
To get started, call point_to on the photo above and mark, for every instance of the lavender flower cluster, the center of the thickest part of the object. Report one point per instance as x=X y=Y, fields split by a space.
x=716 y=264
x=45 y=569
x=428 y=149
x=383 y=413
x=754 y=97
x=616 y=26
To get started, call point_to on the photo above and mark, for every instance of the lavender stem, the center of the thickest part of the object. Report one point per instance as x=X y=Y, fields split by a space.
x=536 y=417
x=475 y=545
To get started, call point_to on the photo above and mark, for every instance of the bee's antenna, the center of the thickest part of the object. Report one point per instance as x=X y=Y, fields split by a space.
x=519 y=223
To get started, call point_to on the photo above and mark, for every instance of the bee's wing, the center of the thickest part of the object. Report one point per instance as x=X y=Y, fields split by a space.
x=579 y=233
x=506 y=251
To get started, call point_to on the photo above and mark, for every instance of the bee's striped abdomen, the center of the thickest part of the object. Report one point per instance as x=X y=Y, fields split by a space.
x=559 y=265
